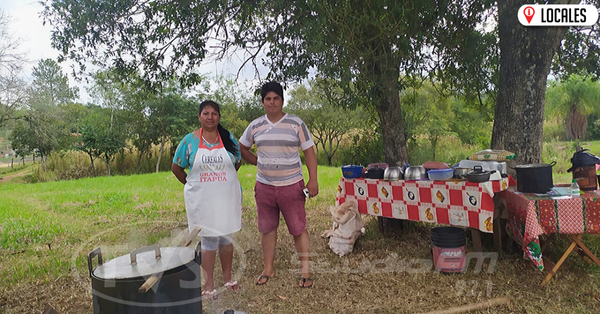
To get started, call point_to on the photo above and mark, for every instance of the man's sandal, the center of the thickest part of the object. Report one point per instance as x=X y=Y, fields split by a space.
x=258 y=281
x=306 y=282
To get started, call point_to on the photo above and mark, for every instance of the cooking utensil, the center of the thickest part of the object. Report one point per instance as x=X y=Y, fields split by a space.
x=393 y=173
x=461 y=172
x=535 y=178
x=374 y=173
x=185 y=241
x=478 y=175
x=115 y=284
x=415 y=173
x=486 y=165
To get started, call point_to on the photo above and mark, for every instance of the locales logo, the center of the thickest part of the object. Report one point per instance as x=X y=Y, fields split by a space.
x=558 y=15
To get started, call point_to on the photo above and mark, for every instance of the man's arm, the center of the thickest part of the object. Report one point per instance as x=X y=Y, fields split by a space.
x=247 y=155
x=311 y=163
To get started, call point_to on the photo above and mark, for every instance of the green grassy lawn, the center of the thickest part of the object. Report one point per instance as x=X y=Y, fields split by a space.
x=47 y=229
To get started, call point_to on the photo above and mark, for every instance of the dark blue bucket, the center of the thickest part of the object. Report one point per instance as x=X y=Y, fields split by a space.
x=448 y=249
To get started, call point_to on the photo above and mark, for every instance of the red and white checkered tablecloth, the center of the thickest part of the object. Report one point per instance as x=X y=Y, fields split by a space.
x=457 y=203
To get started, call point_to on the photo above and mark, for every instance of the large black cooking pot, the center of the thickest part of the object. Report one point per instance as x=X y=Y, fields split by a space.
x=535 y=178
x=115 y=284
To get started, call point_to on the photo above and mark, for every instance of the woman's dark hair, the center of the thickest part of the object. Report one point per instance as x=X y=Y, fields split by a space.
x=271 y=87
x=223 y=132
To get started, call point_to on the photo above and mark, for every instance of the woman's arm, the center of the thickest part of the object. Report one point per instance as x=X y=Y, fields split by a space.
x=179 y=173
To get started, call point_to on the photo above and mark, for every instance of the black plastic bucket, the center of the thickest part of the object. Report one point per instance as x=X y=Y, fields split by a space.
x=448 y=249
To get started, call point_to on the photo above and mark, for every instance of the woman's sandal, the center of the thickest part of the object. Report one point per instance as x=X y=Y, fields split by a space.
x=232 y=285
x=210 y=295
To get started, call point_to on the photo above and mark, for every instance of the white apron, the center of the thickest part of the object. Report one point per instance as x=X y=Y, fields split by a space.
x=213 y=198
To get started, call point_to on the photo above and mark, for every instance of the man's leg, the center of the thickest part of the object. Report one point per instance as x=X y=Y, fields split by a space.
x=268 y=242
x=303 y=249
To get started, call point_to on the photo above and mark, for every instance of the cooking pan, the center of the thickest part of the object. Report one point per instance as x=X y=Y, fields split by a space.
x=478 y=175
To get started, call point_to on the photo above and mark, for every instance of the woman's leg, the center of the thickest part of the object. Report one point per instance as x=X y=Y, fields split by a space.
x=208 y=249
x=226 y=256
x=208 y=265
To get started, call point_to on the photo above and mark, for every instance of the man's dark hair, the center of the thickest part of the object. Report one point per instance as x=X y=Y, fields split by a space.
x=271 y=87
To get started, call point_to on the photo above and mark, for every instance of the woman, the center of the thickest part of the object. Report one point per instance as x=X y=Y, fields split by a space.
x=213 y=198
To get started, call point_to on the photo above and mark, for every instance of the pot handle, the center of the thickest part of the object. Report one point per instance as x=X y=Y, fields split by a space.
x=149 y=248
x=91 y=255
x=553 y=163
x=198 y=255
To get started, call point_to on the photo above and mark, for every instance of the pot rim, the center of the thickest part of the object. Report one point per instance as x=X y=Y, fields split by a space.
x=534 y=166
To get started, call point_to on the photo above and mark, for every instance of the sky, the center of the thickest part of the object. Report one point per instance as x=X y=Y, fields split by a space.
x=26 y=24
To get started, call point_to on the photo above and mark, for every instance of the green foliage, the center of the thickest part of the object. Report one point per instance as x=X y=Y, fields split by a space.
x=364 y=149
x=471 y=126
x=50 y=86
x=554 y=131
x=320 y=108
x=579 y=53
x=572 y=100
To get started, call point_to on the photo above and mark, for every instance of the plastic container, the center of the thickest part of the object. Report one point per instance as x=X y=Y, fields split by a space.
x=574 y=188
x=440 y=174
x=352 y=171
x=448 y=249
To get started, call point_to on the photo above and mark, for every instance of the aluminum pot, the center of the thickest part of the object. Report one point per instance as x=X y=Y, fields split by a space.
x=393 y=173
x=115 y=284
x=415 y=173
x=461 y=172
x=535 y=178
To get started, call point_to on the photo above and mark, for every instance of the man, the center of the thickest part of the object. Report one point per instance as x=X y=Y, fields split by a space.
x=279 y=182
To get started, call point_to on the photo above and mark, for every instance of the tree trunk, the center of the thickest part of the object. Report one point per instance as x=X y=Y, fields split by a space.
x=139 y=162
x=92 y=164
x=107 y=159
x=525 y=57
x=390 y=113
x=44 y=162
x=576 y=124
x=160 y=152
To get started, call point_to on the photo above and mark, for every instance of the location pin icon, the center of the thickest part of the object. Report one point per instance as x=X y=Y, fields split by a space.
x=528 y=12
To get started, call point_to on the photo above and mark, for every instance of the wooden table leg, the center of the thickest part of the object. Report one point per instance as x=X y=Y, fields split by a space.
x=477 y=247
x=578 y=250
x=577 y=240
x=497 y=235
x=560 y=262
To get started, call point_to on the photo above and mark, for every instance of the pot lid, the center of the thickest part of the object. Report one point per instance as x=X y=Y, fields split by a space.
x=146 y=262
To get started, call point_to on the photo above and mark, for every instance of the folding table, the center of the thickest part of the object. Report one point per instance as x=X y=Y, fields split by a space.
x=531 y=216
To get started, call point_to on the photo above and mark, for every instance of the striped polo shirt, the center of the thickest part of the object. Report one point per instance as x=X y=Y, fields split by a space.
x=277 y=146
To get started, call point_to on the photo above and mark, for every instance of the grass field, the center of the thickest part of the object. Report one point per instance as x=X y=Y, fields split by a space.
x=47 y=229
